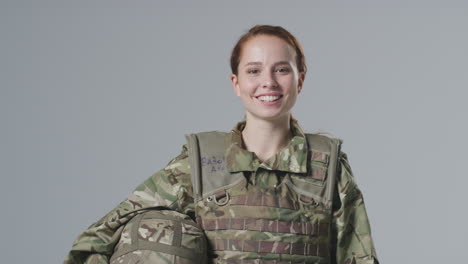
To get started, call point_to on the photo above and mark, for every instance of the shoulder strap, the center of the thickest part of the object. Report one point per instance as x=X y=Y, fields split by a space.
x=194 y=158
x=332 y=147
x=208 y=164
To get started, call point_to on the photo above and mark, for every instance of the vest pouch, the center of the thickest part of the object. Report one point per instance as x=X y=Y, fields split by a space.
x=316 y=184
x=309 y=190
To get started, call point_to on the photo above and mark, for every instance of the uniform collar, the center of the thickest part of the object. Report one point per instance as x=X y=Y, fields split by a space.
x=292 y=158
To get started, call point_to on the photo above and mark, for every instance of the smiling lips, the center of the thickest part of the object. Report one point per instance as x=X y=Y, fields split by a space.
x=270 y=97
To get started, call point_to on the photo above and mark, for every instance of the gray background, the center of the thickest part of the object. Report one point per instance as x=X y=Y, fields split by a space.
x=97 y=95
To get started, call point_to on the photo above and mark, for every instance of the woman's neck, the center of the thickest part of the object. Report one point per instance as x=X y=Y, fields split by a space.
x=266 y=137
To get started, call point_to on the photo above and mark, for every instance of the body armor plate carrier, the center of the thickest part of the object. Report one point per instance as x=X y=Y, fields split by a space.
x=289 y=223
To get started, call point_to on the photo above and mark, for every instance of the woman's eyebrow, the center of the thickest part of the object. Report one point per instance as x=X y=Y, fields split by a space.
x=253 y=63
x=259 y=63
x=281 y=62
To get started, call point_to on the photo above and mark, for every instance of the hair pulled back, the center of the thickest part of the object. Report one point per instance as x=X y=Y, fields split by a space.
x=269 y=30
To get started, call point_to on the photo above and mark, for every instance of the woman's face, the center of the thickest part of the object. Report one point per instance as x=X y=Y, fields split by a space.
x=268 y=81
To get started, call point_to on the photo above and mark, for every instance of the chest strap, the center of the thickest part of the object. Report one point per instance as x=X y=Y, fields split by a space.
x=274 y=247
x=263 y=225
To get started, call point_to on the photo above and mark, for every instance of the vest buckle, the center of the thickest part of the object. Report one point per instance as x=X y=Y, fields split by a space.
x=221 y=198
x=308 y=201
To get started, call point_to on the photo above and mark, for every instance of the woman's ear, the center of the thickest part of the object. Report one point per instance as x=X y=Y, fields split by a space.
x=235 y=84
x=300 y=82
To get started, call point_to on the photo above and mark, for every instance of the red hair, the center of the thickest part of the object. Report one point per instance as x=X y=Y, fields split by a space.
x=269 y=30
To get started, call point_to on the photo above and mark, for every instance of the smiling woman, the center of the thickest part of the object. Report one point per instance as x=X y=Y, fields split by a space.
x=266 y=192
x=268 y=80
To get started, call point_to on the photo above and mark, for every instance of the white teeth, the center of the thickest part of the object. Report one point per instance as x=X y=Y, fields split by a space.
x=268 y=98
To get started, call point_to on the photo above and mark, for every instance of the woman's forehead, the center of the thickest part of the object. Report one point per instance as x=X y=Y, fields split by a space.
x=267 y=49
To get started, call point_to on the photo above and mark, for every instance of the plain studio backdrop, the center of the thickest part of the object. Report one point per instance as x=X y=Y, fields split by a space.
x=97 y=95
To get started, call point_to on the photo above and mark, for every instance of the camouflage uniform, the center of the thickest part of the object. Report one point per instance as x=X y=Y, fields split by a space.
x=157 y=236
x=171 y=189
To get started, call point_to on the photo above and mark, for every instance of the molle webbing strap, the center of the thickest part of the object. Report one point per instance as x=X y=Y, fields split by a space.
x=175 y=249
x=259 y=261
x=319 y=173
x=260 y=199
x=274 y=247
x=320 y=156
x=262 y=225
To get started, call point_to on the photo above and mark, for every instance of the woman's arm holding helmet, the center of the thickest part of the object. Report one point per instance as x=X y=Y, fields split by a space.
x=351 y=233
x=169 y=188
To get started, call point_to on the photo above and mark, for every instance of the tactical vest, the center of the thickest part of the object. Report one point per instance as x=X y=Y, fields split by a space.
x=288 y=224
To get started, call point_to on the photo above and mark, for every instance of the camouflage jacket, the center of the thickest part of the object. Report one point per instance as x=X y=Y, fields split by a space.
x=171 y=188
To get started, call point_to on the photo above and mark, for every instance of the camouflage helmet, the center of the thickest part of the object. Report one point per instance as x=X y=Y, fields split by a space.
x=163 y=236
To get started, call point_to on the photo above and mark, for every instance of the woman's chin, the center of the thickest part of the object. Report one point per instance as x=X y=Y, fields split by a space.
x=267 y=116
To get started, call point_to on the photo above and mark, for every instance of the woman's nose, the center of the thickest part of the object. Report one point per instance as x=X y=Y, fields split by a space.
x=269 y=80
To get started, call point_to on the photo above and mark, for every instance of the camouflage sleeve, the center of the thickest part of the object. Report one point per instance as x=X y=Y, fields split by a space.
x=169 y=188
x=351 y=233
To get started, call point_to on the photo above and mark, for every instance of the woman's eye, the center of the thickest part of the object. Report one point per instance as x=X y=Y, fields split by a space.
x=253 y=71
x=282 y=70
